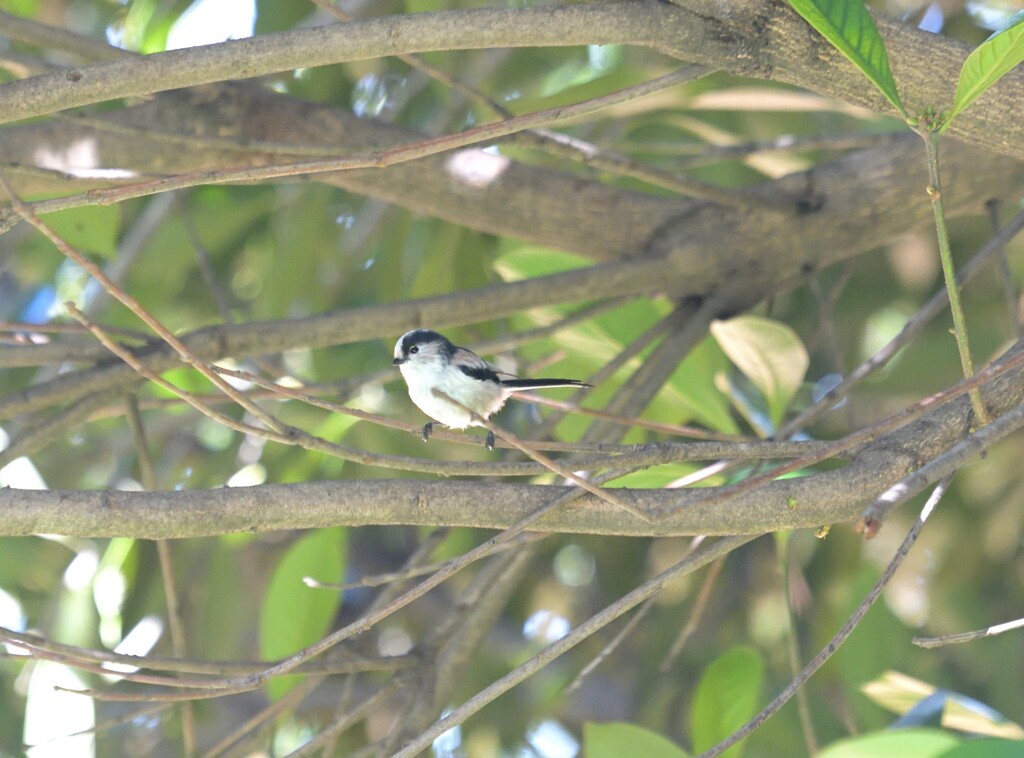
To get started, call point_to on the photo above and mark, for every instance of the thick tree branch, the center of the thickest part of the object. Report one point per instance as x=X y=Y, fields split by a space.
x=765 y=40
x=324 y=45
x=822 y=498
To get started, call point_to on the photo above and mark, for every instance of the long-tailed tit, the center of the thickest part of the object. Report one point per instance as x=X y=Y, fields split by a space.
x=429 y=361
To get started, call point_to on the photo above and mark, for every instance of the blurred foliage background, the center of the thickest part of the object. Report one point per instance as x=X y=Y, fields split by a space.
x=296 y=248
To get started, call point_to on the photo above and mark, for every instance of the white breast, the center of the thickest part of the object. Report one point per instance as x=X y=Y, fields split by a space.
x=484 y=398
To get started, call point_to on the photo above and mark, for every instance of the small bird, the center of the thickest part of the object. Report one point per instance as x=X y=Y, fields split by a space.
x=429 y=361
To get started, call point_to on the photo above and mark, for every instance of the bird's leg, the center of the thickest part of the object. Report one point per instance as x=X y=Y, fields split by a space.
x=490 y=440
x=427 y=429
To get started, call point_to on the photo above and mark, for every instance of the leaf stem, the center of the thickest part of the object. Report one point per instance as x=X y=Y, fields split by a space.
x=931 y=135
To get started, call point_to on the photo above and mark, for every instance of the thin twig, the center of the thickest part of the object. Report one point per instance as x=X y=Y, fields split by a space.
x=936 y=305
x=129 y=248
x=21 y=327
x=598 y=621
x=291 y=698
x=128 y=357
x=696 y=615
x=841 y=636
x=350 y=717
x=178 y=644
x=147 y=471
x=381 y=158
x=956 y=639
x=612 y=645
x=562 y=144
x=941 y=466
x=234 y=685
x=376 y=580
x=793 y=649
x=163 y=548
x=135 y=307
x=71 y=655
x=45 y=652
x=546 y=462
x=112 y=723
x=866 y=434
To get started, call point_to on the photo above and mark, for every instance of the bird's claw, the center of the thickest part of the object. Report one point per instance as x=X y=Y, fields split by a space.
x=490 y=441
x=427 y=429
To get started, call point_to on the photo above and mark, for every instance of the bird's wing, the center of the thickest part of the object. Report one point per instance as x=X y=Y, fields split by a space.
x=473 y=365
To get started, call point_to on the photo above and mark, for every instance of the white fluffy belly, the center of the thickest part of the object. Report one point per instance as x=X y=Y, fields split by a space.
x=483 y=397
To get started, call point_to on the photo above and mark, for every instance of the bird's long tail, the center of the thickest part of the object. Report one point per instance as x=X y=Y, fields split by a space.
x=517 y=385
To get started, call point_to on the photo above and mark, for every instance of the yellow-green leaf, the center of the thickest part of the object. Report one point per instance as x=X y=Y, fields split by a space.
x=615 y=739
x=769 y=353
x=990 y=62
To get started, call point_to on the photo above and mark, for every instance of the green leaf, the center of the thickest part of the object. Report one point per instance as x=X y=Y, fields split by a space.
x=294 y=615
x=989 y=748
x=614 y=740
x=769 y=353
x=726 y=698
x=990 y=62
x=851 y=30
x=920 y=743
x=692 y=389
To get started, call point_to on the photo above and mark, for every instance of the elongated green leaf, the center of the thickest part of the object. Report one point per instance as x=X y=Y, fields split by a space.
x=851 y=30
x=769 y=353
x=990 y=61
x=726 y=698
x=293 y=614
x=615 y=739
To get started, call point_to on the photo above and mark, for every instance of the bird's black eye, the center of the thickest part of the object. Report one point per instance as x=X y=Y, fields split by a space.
x=413 y=350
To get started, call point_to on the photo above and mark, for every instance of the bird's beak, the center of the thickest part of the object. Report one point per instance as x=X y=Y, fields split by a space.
x=398 y=361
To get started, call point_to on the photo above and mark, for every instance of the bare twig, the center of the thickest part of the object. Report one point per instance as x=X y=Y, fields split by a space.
x=612 y=646
x=874 y=431
x=71 y=655
x=163 y=549
x=234 y=685
x=941 y=466
x=701 y=557
x=546 y=462
x=793 y=648
x=135 y=307
x=374 y=159
x=290 y=699
x=956 y=639
x=351 y=717
x=841 y=636
x=696 y=615
x=575 y=148
x=936 y=305
x=408 y=573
